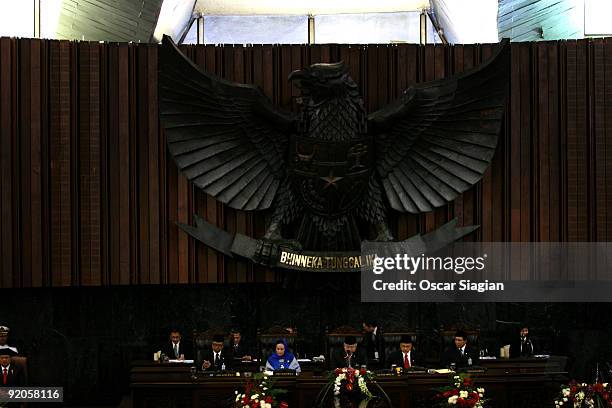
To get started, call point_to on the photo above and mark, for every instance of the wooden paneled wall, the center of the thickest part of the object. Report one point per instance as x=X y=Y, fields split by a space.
x=90 y=197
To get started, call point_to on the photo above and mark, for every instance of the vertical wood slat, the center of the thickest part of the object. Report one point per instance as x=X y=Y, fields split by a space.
x=45 y=257
x=599 y=179
x=61 y=228
x=153 y=162
x=6 y=163
x=85 y=223
x=25 y=160
x=68 y=224
x=608 y=141
x=94 y=155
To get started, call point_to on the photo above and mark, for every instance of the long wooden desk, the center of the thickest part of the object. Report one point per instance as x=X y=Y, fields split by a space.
x=522 y=383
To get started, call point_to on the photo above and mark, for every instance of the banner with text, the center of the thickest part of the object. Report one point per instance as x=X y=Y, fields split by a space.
x=487 y=272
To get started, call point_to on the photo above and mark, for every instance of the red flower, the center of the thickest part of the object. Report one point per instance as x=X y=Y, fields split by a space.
x=268 y=399
x=283 y=404
x=598 y=387
x=349 y=387
x=338 y=371
x=362 y=371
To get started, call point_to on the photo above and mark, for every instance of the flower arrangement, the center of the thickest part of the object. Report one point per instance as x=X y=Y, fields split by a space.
x=351 y=381
x=260 y=393
x=577 y=395
x=463 y=393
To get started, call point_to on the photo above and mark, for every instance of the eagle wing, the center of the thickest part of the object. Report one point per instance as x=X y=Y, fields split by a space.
x=439 y=137
x=227 y=138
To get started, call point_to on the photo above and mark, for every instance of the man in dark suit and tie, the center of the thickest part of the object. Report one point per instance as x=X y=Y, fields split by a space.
x=238 y=348
x=374 y=344
x=405 y=357
x=11 y=375
x=522 y=347
x=4 y=332
x=348 y=356
x=461 y=354
x=217 y=357
x=176 y=348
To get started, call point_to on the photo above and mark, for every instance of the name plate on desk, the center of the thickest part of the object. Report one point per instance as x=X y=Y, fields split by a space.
x=226 y=374
x=411 y=371
x=284 y=373
x=385 y=373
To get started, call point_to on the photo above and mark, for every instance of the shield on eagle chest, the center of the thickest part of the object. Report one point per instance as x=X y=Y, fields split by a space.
x=330 y=177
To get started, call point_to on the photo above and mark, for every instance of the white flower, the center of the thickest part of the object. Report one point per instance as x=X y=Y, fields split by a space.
x=565 y=392
x=564 y=399
x=463 y=394
x=254 y=396
x=480 y=390
x=453 y=400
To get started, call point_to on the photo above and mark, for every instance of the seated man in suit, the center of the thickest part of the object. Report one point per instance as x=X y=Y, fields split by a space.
x=405 y=357
x=522 y=347
x=374 y=343
x=217 y=357
x=348 y=356
x=4 y=332
x=238 y=348
x=175 y=348
x=11 y=375
x=461 y=354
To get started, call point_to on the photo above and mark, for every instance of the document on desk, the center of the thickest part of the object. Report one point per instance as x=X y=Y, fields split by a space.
x=181 y=361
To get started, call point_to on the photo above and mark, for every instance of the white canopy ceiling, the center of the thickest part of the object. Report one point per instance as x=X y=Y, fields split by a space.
x=305 y=7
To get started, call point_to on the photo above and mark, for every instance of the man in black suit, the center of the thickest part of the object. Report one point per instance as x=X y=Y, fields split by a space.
x=405 y=357
x=176 y=349
x=11 y=375
x=461 y=354
x=349 y=356
x=522 y=347
x=239 y=350
x=4 y=332
x=217 y=357
x=374 y=343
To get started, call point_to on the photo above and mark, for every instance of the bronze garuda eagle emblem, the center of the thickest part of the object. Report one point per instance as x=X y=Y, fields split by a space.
x=331 y=170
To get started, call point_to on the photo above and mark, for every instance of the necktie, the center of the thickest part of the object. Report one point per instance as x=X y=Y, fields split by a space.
x=176 y=354
x=4 y=375
x=406 y=361
x=216 y=360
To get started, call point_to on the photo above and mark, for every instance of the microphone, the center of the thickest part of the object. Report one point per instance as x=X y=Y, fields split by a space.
x=348 y=357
